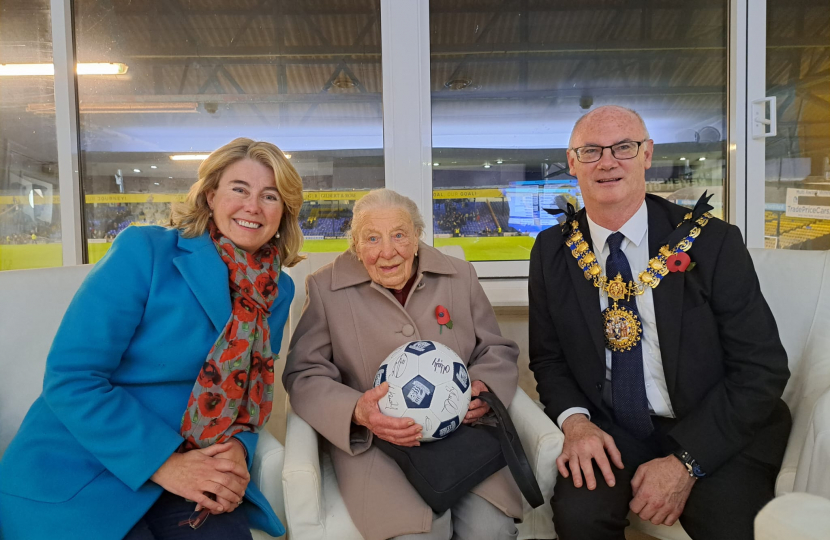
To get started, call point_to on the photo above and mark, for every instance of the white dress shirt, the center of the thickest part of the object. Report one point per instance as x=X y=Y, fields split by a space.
x=635 y=247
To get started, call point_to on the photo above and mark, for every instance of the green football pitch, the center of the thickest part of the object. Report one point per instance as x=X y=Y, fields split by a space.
x=496 y=248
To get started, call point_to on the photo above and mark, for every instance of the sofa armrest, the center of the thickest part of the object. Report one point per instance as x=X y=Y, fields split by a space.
x=813 y=473
x=794 y=516
x=302 y=481
x=542 y=442
x=266 y=471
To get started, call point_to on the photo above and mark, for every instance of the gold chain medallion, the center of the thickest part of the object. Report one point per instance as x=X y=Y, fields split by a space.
x=622 y=327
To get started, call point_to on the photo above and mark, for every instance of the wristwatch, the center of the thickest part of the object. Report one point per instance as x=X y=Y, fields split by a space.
x=690 y=463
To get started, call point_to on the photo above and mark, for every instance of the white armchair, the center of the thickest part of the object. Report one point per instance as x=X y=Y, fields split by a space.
x=316 y=511
x=804 y=514
x=314 y=508
x=796 y=285
x=794 y=516
x=40 y=298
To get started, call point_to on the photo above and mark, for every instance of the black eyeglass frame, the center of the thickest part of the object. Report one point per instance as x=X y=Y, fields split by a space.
x=602 y=149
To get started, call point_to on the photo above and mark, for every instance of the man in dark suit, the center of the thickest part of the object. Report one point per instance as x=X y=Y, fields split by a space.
x=672 y=395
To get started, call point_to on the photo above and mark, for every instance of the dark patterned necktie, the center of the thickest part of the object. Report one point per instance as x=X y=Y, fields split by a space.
x=628 y=384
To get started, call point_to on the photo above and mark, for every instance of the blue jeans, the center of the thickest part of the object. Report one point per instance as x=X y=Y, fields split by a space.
x=161 y=522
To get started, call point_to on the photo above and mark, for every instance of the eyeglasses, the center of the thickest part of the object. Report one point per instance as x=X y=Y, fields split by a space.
x=197 y=519
x=621 y=150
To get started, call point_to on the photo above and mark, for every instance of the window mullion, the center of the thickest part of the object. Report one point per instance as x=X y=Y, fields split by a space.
x=66 y=126
x=407 y=116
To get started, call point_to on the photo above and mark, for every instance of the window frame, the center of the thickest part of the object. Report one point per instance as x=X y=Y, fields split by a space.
x=407 y=123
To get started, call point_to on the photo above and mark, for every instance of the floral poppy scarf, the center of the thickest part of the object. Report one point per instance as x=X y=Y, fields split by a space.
x=235 y=387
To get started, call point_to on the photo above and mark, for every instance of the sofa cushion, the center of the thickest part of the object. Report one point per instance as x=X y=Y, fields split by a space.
x=34 y=302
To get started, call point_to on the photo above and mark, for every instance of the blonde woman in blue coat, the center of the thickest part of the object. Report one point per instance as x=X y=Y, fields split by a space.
x=161 y=372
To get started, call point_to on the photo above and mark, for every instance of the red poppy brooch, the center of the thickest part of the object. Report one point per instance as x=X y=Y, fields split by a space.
x=443 y=318
x=679 y=262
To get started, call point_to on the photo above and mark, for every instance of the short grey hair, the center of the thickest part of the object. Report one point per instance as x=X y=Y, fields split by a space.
x=382 y=199
x=619 y=108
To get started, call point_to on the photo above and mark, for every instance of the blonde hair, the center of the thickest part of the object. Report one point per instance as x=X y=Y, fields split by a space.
x=382 y=199
x=191 y=216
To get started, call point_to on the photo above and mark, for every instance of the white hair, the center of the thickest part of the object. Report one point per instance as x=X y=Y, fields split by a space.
x=383 y=199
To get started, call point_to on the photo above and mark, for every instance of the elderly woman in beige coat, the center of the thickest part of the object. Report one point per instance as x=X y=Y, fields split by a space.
x=380 y=294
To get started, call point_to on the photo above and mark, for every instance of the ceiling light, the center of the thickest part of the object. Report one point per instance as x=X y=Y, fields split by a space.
x=170 y=177
x=189 y=157
x=153 y=167
x=102 y=69
x=701 y=159
x=486 y=165
x=40 y=70
x=343 y=82
x=287 y=156
x=499 y=161
x=136 y=170
x=120 y=108
x=435 y=164
x=156 y=183
x=458 y=84
x=682 y=159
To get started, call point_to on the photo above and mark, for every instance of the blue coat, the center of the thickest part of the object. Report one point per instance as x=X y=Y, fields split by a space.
x=118 y=378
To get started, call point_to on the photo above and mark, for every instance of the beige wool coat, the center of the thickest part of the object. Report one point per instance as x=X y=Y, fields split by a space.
x=348 y=327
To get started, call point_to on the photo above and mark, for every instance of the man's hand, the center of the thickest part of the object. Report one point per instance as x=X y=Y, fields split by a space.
x=477 y=408
x=661 y=488
x=400 y=431
x=584 y=442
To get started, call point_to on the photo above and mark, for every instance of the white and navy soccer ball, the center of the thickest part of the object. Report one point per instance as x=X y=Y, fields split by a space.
x=429 y=383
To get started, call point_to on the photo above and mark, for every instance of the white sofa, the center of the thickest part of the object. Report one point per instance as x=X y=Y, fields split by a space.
x=32 y=304
x=314 y=508
x=804 y=514
x=794 y=516
x=796 y=285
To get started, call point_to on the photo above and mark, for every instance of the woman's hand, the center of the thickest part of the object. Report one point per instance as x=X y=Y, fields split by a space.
x=238 y=455
x=477 y=407
x=400 y=431
x=196 y=474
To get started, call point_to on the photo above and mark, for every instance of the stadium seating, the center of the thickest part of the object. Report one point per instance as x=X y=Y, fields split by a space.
x=470 y=218
x=796 y=233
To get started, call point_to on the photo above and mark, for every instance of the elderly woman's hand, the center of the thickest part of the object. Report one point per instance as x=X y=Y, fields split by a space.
x=400 y=431
x=477 y=407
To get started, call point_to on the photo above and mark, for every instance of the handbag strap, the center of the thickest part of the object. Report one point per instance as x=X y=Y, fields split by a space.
x=514 y=454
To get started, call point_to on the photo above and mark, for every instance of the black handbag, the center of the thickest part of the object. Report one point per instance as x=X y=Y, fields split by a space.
x=444 y=471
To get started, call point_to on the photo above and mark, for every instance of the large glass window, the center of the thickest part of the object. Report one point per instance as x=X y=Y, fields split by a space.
x=30 y=230
x=510 y=79
x=797 y=179
x=305 y=76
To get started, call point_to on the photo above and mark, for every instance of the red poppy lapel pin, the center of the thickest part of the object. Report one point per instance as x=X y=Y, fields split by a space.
x=679 y=262
x=443 y=318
